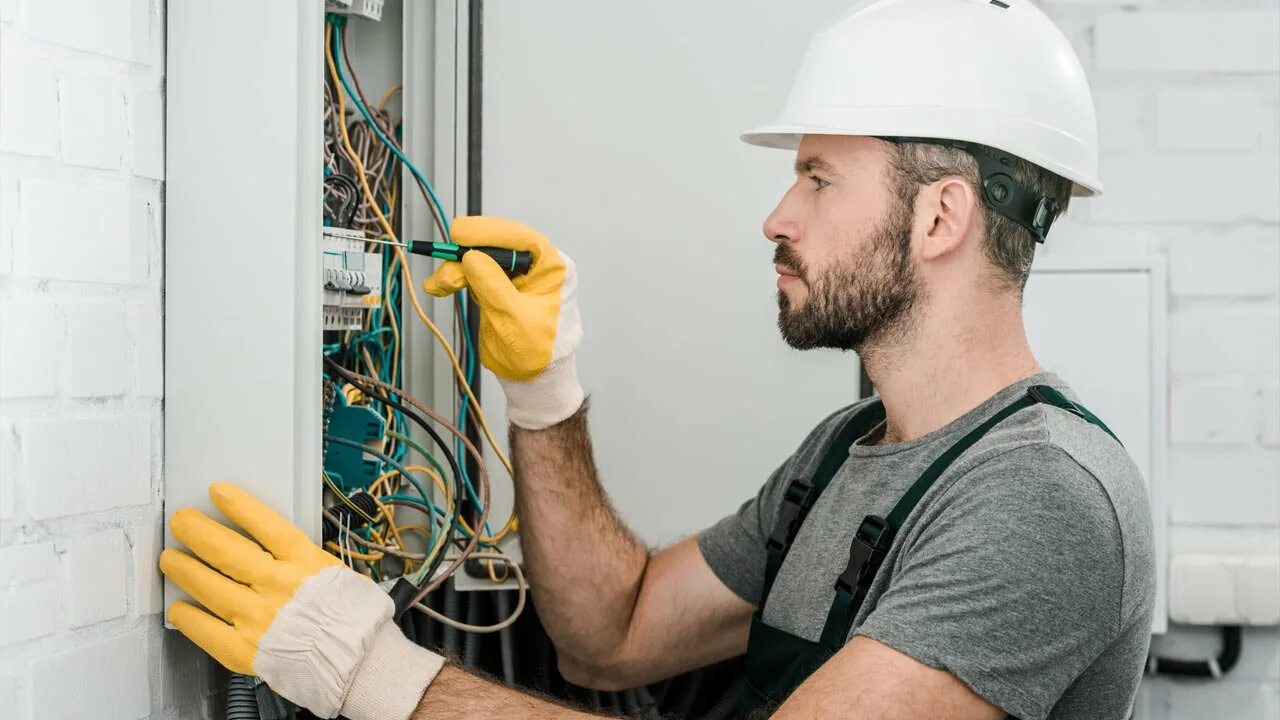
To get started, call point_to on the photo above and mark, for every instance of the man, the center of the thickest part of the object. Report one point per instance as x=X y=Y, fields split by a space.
x=972 y=545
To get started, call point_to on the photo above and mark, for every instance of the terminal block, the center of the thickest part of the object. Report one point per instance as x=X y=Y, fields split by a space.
x=349 y=467
x=352 y=279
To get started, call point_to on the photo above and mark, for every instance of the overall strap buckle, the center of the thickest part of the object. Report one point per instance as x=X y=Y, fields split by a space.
x=867 y=551
x=796 y=503
x=1048 y=396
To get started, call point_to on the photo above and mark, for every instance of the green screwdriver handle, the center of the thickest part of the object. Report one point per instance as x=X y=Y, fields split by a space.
x=515 y=262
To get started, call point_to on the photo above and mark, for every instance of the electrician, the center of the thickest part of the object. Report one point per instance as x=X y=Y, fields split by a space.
x=973 y=544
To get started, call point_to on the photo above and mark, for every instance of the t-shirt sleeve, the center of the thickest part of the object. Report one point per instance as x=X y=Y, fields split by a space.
x=1013 y=584
x=735 y=546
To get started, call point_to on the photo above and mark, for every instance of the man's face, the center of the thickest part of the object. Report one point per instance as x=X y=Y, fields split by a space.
x=845 y=271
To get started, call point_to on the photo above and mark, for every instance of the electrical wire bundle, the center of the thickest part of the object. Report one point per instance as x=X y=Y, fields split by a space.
x=426 y=513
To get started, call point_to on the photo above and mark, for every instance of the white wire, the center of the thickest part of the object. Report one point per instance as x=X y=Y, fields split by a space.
x=522 y=590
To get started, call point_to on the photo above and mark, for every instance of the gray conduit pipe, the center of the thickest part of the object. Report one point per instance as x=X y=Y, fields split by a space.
x=242 y=698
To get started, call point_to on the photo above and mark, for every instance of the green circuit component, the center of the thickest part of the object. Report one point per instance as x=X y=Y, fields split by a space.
x=349 y=467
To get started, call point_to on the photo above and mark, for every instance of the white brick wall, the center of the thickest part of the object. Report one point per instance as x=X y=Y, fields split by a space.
x=81 y=378
x=110 y=680
x=96 y=574
x=1213 y=118
x=1187 y=96
x=1200 y=36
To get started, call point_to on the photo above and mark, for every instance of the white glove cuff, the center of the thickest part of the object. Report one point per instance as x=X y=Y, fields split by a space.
x=392 y=679
x=553 y=396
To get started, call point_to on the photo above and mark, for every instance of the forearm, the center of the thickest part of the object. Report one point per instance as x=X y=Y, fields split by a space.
x=585 y=566
x=458 y=695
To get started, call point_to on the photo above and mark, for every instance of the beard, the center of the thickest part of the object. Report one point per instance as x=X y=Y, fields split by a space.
x=856 y=300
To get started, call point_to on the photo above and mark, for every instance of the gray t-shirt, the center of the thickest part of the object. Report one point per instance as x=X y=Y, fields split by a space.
x=1027 y=571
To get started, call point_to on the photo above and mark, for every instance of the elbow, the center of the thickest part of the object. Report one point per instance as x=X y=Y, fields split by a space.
x=605 y=676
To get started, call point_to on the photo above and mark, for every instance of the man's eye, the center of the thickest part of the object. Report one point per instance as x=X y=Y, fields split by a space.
x=818 y=182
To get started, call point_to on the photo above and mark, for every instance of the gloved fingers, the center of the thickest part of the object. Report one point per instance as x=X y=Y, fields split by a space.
x=279 y=536
x=224 y=597
x=225 y=549
x=490 y=285
x=499 y=232
x=448 y=279
x=215 y=637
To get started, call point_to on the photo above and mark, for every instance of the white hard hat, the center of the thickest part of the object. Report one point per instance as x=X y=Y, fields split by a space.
x=998 y=73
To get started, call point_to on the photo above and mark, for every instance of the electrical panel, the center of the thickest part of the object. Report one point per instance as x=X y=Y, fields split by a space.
x=352 y=279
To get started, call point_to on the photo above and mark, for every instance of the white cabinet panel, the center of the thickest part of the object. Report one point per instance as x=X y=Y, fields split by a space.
x=1094 y=330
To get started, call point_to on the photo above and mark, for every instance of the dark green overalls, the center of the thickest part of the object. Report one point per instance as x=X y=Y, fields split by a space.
x=777 y=661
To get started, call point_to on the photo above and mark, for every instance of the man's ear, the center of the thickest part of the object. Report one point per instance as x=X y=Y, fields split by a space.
x=949 y=210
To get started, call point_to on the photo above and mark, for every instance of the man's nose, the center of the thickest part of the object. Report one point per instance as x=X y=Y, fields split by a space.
x=781 y=225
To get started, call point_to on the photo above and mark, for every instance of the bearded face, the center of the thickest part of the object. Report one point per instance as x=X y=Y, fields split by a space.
x=864 y=293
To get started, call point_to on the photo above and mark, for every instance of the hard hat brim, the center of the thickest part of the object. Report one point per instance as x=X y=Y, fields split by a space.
x=788 y=136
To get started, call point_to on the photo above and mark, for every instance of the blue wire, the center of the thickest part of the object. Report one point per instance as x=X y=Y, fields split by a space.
x=436 y=509
x=368 y=117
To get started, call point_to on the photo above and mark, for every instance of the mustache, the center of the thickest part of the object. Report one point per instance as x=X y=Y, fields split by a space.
x=788 y=258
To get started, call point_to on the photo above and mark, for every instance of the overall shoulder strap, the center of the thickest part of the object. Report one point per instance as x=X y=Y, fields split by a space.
x=875 y=535
x=1049 y=396
x=802 y=493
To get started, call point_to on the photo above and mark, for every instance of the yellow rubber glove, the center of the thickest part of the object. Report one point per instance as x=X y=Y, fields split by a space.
x=318 y=633
x=529 y=325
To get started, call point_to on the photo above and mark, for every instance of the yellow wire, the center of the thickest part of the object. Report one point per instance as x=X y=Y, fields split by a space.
x=421 y=529
x=389 y=516
x=493 y=575
x=373 y=489
x=353 y=394
x=435 y=477
x=410 y=289
x=386 y=98
x=344 y=499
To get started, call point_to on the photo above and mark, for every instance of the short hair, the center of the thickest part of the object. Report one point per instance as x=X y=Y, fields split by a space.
x=1009 y=246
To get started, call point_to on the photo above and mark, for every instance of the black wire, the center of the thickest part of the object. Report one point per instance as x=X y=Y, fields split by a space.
x=347 y=213
x=1225 y=661
x=375 y=393
x=475 y=194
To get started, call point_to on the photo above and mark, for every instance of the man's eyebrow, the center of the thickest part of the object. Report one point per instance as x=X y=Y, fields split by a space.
x=806 y=165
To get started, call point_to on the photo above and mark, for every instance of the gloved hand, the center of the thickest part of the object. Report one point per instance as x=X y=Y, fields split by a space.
x=529 y=325
x=318 y=633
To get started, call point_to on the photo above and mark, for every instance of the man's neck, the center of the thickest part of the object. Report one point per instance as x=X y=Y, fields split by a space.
x=951 y=362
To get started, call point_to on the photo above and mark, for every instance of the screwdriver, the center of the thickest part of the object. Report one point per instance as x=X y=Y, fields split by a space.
x=515 y=262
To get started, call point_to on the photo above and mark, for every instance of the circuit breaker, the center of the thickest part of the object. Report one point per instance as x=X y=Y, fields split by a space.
x=352 y=279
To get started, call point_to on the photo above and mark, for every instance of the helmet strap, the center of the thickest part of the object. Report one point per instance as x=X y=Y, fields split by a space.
x=1000 y=191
